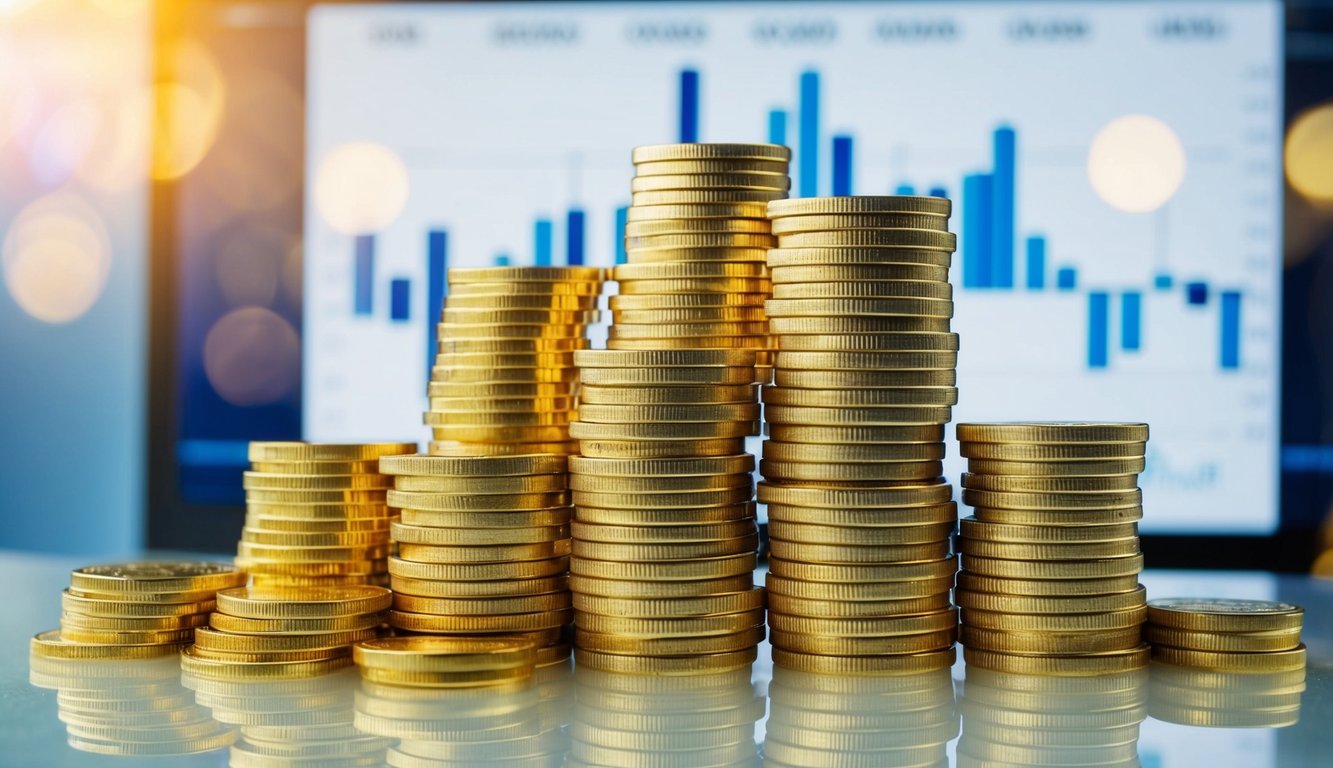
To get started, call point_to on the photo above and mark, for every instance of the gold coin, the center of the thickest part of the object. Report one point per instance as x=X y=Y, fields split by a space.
x=924 y=494
x=1061 y=622
x=1058 y=468
x=658 y=501
x=1054 y=517
x=1054 y=432
x=452 y=448
x=1087 y=664
x=135 y=624
x=810 y=533
x=671 y=254
x=445 y=654
x=1021 y=484
x=499 y=553
x=510 y=346
x=785 y=225
x=933 y=514
x=829 y=645
x=156 y=577
x=1276 y=661
x=896 y=471
x=552 y=483
x=663 y=431
x=1234 y=642
x=308 y=603
x=293 y=451
x=474 y=466
x=52 y=645
x=498 y=390
x=860 y=324
x=626 y=332
x=711 y=165
x=360 y=498
x=447 y=502
x=664 y=534
x=563 y=359
x=399 y=679
x=644 y=302
x=681 y=570
x=865 y=361
x=474 y=329
x=209 y=639
x=842 y=554
x=883 y=379
x=267 y=524
x=699 y=269
x=694 y=358
x=734 y=210
x=196 y=665
x=1062 y=588
x=580 y=483
x=481 y=606
x=667 y=646
x=647 y=589
x=1059 y=570
x=281 y=554
x=676 y=550
x=696 y=285
x=1024 y=604
x=752 y=341
x=315 y=539
x=691 y=315
x=479 y=536
x=541 y=518
x=638 y=414
x=525 y=274
x=838 y=308
x=700 y=226
x=473 y=589
x=654 y=153
x=654 y=518
x=976 y=530
x=860 y=204
x=1051 y=451
x=799 y=267
x=928 y=259
x=366 y=512
x=874 y=593
x=864 y=665
x=121 y=608
x=657 y=449
x=876 y=289
x=1008 y=550
x=671 y=607
x=828 y=608
x=312 y=569
x=861 y=398
x=369 y=466
x=932 y=239
x=501 y=623
x=709 y=664
x=271 y=481
x=1224 y=614
x=559 y=301
x=475 y=572
x=728 y=180
x=503 y=287
x=668 y=377
x=661 y=468
x=882 y=626
x=112 y=637
x=247 y=626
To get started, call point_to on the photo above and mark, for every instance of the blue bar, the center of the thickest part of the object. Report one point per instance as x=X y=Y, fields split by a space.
x=976 y=231
x=622 y=218
x=904 y=189
x=363 y=283
x=1002 y=209
x=574 y=238
x=1131 y=321
x=1162 y=282
x=541 y=235
x=1066 y=278
x=777 y=126
x=437 y=284
x=689 y=106
x=1036 y=263
x=842 y=165
x=400 y=298
x=1231 y=329
x=502 y=259
x=1196 y=293
x=938 y=192
x=808 y=162
x=1099 y=318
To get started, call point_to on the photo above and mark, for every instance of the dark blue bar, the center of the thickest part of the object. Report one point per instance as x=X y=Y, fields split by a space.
x=541 y=235
x=1066 y=278
x=1131 y=321
x=808 y=135
x=622 y=217
x=1099 y=318
x=437 y=284
x=938 y=192
x=1231 y=329
x=502 y=259
x=976 y=231
x=842 y=165
x=1162 y=282
x=689 y=106
x=1308 y=458
x=1036 y=263
x=1196 y=293
x=904 y=189
x=400 y=298
x=574 y=238
x=777 y=126
x=363 y=282
x=1002 y=207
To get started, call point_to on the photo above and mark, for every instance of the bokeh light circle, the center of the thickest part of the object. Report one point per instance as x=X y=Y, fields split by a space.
x=1309 y=154
x=56 y=258
x=1136 y=163
x=360 y=187
x=252 y=356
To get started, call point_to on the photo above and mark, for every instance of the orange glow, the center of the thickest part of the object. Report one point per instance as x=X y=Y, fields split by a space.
x=189 y=109
x=1309 y=155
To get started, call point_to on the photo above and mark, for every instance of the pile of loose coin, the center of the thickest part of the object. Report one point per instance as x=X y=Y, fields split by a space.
x=859 y=520
x=315 y=514
x=1051 y=556
x=504 y=380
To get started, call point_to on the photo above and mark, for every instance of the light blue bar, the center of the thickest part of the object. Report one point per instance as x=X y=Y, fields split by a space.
x=363 y=277
x=216 y=453
x=842 y=165
x=1230 y=329
x=1002 y=209
x=976 y=230
x=1036 y=266
x=904 y=189
x=1163 y=282
x=1066 y=278
x=1099 y=320
x=777 y=126
x=808 y=162
x=502 y=259
x=1131 y=321
x=541 y=235
x=622 y=219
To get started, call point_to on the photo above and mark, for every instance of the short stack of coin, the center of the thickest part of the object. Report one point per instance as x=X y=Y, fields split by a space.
x=504 y=379
x=859 y=522
x=134 y=610
x=1218 y=699
x=1051 y=557
x=665 y=539
x=128 y=708
x=266 y=633
x=1226 y=635
x=669 y=722
x=483 y=547
x=315 y=514
x=1034 y=720
x=879 y=720
x=696 y=238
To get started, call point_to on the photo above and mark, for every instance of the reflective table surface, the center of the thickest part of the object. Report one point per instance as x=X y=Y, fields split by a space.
x=146 y=713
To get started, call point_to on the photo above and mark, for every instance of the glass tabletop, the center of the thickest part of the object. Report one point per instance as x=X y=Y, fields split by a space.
x=62 y=713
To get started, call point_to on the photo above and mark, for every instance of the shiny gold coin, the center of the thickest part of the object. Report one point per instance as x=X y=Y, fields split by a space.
x=865 y=361
x=830 y=645
x=902 y=237
x=787 y=225
x=681 y=570
x=974 y=529
x=1008 y=550
x=285 y=581
x=315 y=539
x=864 y=665
x=455 y=449
x=282 y=481
x=710 y=664
x=891 y=518
x=1063 y=588
x=482 y=606
x=369 y=466
x=671 y=607
x=500 y=553
x=112 y=637
x=478 y=572
x=646 y=589
x=666 y=518
x=1058 y=570
x=725 y=316
x=447 y=502
x=156 y=577
x=445 y=654
x=1063 y=485
x=511 y=346
x=1233 y=642
x=695 y=285
x=860 y=398
x=663 y=431
x=1053 y=432
x=660 y=534
x=594 y=358
x=550 y=483
x=627 y=332
x=828 y=608
x=656 y=449
x=753 y=341
x=477 y=425
x=525 y=274
x=475 y=466
x=501 y=623
x=557 y=301
x=267 y=657
x=478 y=536
x=876 y=289
x=668 y=377
x=476 y=589
x=876 y=342
x=266 y=568
x=1043 y=501
x=499 y=390
x=542 y=518
x=292 y=451
x=475 y=329
x=861 y=324
x=358 y=497
x=676 y=550
x=810 y=533
x=874 y=593
x=645 y=302
x=1058 y=468
x=1087 y=664
x=563 y=359
x=1277 y=661
x=1055 y=622
x=209 y=639
x=710 y=165
x=860 y=204
x=1052 y=451
x=699 y=226
x=504 y=287
x=601 y=484
x=243 y=625
x=52 y=645
x=883 y=626
x=855 y=498
x=283 y=554
x=796 y=267
x=198 y=596
x=844 y=554
x=739 y=210
x=638 y=414
x=370 y=512
x=924 y=308
x=729 y=180
x=136 y=624
x=662 y=468
x=666 y=500
x=194 y=664
x=1024 y=604
x=671 y=254
x=654 y=153
x=1058 y=517
x=667 y=646
x=870 y=472
x=1224 y=614
x=126 y=609
x=309 y=603
x=700 y=269
x=269 y=525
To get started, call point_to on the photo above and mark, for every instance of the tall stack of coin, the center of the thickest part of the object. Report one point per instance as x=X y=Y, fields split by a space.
x=665 y=539
x=128 y=708
x=483 y=547
x=879 y=720
x=1035 y=720
x=134 y=610
x=1226 y=635
x=265 y=633
x=315 y=514
x=504 y=379
x=1051 y=557
x=859 y=520
x=1219 y=699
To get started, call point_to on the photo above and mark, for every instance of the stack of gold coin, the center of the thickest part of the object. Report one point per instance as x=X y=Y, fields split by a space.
x=1051 y=557
x=850 y=719
x=134 y=610
x=290 y=722
x=265 y=633
x=859 y=522
x=1219 y=699
x=483 y=547
x=665 y=539
x=128 y=708
x=665 y=722
x=446 y=662
x=1035 y=720
x=1226 y=635
x=504 y=379
x=696 y=238
x=315 y=514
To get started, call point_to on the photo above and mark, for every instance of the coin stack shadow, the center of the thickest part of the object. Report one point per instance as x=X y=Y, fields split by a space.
x=859 y=518
x=128 y=708
x=638 y=721
x=879 y=720
x=1215 y=699
x=290 y=722
x=1036 y=720
x=1051 y=557
x=315 y=514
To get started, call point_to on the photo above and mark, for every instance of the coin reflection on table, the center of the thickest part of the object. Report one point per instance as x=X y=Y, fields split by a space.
x=1213 y=699
x=644 y=721
x=306 y=721
x=880 y=720
x=1037 y=720
x=128 y=708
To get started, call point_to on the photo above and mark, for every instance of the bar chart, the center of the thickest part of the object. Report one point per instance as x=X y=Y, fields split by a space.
x=1117 y=218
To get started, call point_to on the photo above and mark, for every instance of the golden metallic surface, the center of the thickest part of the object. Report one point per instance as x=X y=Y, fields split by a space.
x=681 y=395
x=536 y=518
x=1092 y=500
x=1095 y=518
x=52 y=645
x=665 y=551
x=866 y=473
x=859 y=307
x=304 y=603
x=851 y=554
x=478 y=536
x=206 y=638
x=1232 y=642
x=301 y=538
x=977 y=530
x=134 y=624
x=293 y=451
x=291 y=482
x=710 y=664
x=1038 y=484
x=474 y=466
x=877 y=593
x=852 y=574
x=1054 y=622
x=466 y=572
x=860 y=398
x=444 y=502
x=688 y=626
x=71 y=634
x=1023 y=604
x=156 y=577
x=243 y=625
x=605 y=587
x=855 y=498
x=499 y=553
x=120 y=608
x=1224 y=615
x=1048 y=588
x=1088 y=664
x=834 y=645
x=891 y=517
x=653 y=153
x=472 y=589
x=1053 y=432
x=904 y=664
x=464 y=625
x=671 y=607
x=482 y=606
x=664 y=534
x=860 y=204
x=445 y=654
x=194 y=664
x=825 y=607
x=879 y=324
x=814 y=533
x=881 y=626
x=1277 y=661
x=1083 y=451
x=1057 y=569
x=525 y=274
x=581 y=484
x=1050 y=643
x=1008 y=550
